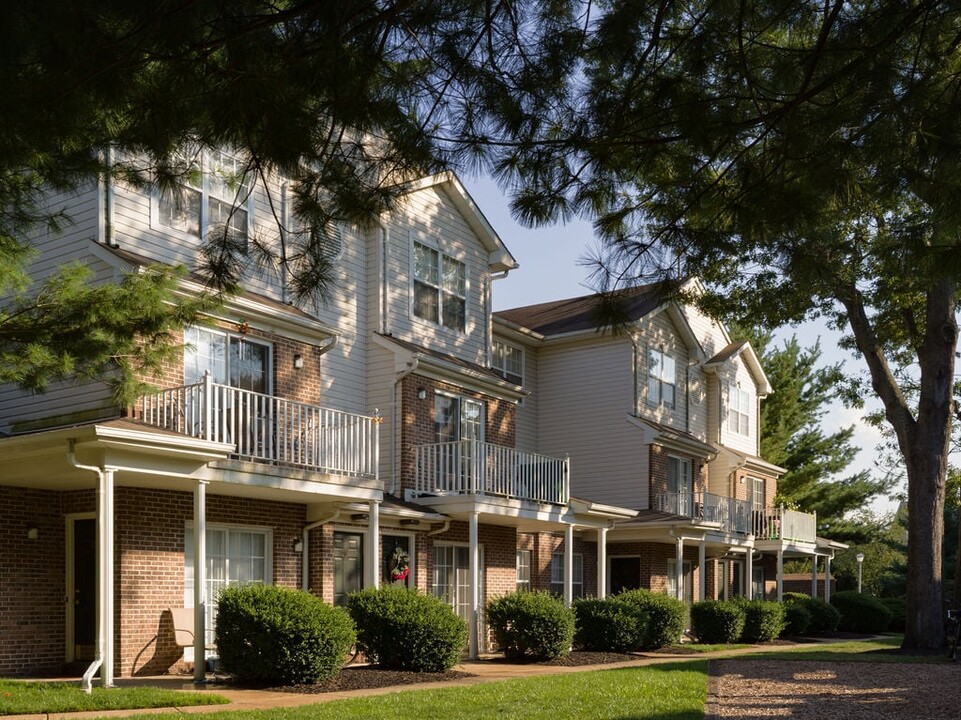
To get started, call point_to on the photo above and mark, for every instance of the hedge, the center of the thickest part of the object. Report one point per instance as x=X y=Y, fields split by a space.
x=861 y=613
x=608 y=625
x=666 y=617
x=717 y=621
x=531 y=625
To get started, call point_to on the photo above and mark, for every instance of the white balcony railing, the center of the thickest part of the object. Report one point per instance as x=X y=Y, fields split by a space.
x=738 y=516
x=733 y=515
x=781 y=524
x=268 y=429
x=471 y=467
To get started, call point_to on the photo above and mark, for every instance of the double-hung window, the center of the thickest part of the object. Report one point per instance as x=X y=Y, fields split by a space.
x=661 y=378
x=523 y=570
x=235 y=556
x=557 y=575
x=738 y=409
x=213 y=197
x=508 y=360
x=440 y=288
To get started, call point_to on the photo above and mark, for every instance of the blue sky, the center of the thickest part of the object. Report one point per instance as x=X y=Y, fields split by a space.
x=550 y=269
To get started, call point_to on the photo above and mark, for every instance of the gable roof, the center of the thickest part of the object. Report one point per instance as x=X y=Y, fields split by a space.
x=743 y=349
x=586 y=312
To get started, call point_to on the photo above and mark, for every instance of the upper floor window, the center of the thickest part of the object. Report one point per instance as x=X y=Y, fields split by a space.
x=232 y=360
x=508 y=361
x=738 y=409
x=661 y=378
x=213 y=197
x=458 y=418
x=440 y=288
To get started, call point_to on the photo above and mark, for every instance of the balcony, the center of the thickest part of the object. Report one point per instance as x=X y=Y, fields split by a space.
x=263 y=428
x=733 y=515
x=737 y=516
x=471 y=467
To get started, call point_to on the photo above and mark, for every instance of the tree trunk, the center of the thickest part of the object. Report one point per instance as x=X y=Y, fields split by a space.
x=924 y=443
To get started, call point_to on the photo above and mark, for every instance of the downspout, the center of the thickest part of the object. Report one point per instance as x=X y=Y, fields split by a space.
x=104 y=651
x=441 y=530
x=285 y=215
x=394 y=449
x=109 y=199
x=634 y=370
x=384 y=285
x=305 y=555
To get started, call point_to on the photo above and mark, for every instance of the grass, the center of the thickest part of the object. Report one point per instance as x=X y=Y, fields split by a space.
x=20 y=697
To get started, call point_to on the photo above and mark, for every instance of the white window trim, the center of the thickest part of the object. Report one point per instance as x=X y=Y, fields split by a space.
x=412 y=304
x=735 y=413
x=502 y=369
x=530 y=560
x=234 y=335
x=460 y=399
x=687 y=569
x=246 y=204
x=575 y=582
x=411 y=543
x=663 y=353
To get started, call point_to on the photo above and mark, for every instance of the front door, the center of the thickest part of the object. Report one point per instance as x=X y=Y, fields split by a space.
x=625 y=574
x=451 y=581
x=83 y=605
x=348 y=565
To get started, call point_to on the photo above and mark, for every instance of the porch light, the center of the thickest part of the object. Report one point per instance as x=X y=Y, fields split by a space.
x=298 y=361
x=407 y=522
x=359 y=517
x=860 y=558
x=33 y=533
x=421 y=394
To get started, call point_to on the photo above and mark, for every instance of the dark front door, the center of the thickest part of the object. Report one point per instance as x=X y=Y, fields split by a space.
x=84 y=589
x=625 y=574
x=348 y=565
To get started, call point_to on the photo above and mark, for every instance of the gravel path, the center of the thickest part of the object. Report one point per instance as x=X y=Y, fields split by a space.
x=825 y=691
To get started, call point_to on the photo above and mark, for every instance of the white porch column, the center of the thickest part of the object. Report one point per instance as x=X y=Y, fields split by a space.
x=814 y=576
x=679 y=568
x=373 y=544
x=200 y=581
x=568 y=565
x=105 y=604
x=780 y=575
x=701 y=571
x=749 y=574
x=827 y=578
x=602 y=563
x=474 y=569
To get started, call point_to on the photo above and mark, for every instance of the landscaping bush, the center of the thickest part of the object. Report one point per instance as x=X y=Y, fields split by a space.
x=797 y=618
x=861 y=613
x=824 y=617
x=531 y=625
x=269 y=634
x=715 y=621
x=899 y=611
x=403 y=629
x=666 y=617
x=608 y=625
x=763 y=620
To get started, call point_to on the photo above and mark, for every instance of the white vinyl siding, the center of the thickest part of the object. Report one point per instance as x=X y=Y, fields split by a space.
x=589 y=386
x=736 y=375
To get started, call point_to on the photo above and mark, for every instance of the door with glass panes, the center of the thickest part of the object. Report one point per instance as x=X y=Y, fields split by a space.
x=451 y=582
x=459 y=424
x=245 y=414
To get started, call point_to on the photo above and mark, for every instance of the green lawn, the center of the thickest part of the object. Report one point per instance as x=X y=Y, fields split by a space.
x=18 y=697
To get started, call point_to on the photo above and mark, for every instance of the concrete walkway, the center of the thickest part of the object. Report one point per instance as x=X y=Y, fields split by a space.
x=489 y=669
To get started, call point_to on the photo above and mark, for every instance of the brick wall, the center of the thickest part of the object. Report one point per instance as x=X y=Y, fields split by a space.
x=32 y=572
x=150 y=530
x=417 y=419
x=659 y=471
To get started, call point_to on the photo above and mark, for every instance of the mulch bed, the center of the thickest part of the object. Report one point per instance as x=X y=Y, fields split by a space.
x=367 y=677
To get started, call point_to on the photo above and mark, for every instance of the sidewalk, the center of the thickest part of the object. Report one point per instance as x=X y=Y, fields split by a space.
x=488 y=669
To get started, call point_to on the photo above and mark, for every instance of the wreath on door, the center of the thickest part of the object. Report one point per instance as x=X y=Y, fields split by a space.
x=399 y=565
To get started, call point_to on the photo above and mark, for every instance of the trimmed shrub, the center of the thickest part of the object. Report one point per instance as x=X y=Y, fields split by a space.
x=899 y=612
x=531 y=625
x=797 y=618
x=824 y=617
x=666 y=617
x=403 y=629
x=714 y=621
x=269 y=634
x=608 y=625
x=861 y=613
x=763 y=620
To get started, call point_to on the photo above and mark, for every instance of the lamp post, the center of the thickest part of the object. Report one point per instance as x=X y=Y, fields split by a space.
x=860 y=558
